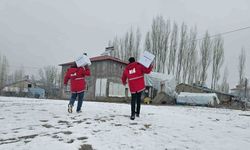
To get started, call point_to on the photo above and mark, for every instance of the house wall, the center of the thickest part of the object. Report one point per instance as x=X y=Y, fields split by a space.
x=104 y=73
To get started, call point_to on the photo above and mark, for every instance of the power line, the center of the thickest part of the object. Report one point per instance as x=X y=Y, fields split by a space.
x=227 y=32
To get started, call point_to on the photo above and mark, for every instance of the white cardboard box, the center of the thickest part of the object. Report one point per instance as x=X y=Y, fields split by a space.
x=82 y=61
x=146 y=58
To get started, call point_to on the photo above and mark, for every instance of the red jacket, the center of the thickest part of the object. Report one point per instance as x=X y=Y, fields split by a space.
x=134 y=72
x=77 y=78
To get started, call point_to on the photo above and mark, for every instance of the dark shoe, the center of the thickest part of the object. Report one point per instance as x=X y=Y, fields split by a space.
x=132 y=117
x=79 y=111
x=137 y=115
x=70 y=107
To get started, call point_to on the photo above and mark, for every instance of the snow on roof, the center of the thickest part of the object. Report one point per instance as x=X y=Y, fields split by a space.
x=24 y=80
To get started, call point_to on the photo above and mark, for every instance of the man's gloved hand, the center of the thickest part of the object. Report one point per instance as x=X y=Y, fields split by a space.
x=124 y=83
x=65 y=88
x=86 y=66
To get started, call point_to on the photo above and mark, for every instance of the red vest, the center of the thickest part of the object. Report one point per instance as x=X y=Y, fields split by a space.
x=77 y=79
x=134 y=73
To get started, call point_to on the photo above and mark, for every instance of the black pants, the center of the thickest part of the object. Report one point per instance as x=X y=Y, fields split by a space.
x=80 y=99
x=136 y=98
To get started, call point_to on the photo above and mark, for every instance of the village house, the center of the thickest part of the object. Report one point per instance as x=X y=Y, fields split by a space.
x=23 y=88
x=104 y=84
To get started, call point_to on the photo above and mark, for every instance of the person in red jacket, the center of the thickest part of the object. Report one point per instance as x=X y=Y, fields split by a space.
x=134 y=73
x=76 y=75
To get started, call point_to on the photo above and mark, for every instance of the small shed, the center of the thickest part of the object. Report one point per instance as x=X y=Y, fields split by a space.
x=104 y=84
x=202 y=99
x=224 y=98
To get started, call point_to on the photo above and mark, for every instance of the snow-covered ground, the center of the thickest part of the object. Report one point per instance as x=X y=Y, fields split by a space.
x=36 y=124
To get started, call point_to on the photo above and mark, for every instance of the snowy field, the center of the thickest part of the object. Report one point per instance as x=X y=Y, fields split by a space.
x=35 y=124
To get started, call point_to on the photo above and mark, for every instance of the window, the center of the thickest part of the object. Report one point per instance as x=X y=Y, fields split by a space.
x=29 y=86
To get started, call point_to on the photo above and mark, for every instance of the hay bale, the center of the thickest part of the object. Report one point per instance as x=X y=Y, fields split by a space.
x=163 y=98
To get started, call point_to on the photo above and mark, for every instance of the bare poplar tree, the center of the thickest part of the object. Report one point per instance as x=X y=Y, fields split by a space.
x=42 y=76
x=19 y=74
x=33 y=79
x=164 y=53
x=186 y=58
x=116 y=52
x=147 y=43
x=198 y=70
x=137 y=43
x=127 y=51
x=48 y=77
x=205 y=52
x=127 y=46
x=59 y=80
x=3 y=70
x=181 y=52
x=173 y=49
x=157 y=37
x=218 y=58
x=157 y=42
x=224 y=85
x=131 y=43
x=242 y=61
x=192 y=44
x=121 y=47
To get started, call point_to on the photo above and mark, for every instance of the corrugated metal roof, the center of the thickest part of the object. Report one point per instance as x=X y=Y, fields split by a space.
x=99 y=58
x=242 y=88
x=25 y=80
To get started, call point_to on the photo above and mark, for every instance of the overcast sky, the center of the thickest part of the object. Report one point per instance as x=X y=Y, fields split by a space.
x=36 y=33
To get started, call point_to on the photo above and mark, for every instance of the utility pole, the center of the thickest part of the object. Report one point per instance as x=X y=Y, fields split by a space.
x=246 y=82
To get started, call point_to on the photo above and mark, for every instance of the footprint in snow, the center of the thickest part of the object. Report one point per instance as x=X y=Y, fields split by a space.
x=82 y=138
x=43 y=120
x=134 y=123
